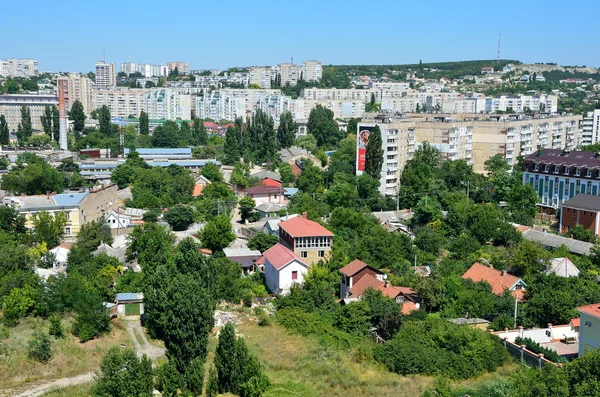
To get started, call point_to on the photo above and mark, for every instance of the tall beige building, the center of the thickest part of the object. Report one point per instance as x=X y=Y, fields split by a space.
x=19 y=68
x=10 y=107
x=78 y=88
x=106 y=75
x=289 y=73
x=312 y=71
x=261 y=76
x=182 y=67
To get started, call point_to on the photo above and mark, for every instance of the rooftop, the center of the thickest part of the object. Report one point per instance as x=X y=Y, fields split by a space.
x=584 y=202
x=497 y=279
x=353 y=267
x=262 y=189
x=560 y=157
x=279 y=256
x=302 y=227
x=592 y=310
x=552 y=240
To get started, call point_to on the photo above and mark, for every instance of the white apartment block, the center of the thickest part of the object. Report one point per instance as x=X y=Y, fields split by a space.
x=106 y=75
x=10 y=107
x=261 y=76
x=288 y=73
x=159 y=103
x=182 y=67
x=231 y=103
x=590 y=128
x=78 y=87
x=146 y=69
x=312 y=71
x=398 y=143
x=19 y=68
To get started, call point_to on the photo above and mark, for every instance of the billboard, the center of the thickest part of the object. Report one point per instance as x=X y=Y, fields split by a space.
x=362 y=138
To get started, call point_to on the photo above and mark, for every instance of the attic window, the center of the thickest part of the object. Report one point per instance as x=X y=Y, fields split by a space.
x=589 y=173
x=536 y=167
x=577 y=171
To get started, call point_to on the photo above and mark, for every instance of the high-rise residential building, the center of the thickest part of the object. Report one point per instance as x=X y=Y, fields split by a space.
x=288 y=73
x=106 y=75
x=19 y=68
x=261 y=76
x=158 y=103
x=312 y=71
x=78 y=88
x=590 y=128
x=129 y=68
x=182 y=67
x=10 y=107
x=146 y=69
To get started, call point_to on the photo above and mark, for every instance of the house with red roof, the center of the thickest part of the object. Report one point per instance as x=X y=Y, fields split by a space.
x=267 y=194
x=358 y=277
x=499 y=280
x=308 y=239
x=589 y=328
x=282 y=268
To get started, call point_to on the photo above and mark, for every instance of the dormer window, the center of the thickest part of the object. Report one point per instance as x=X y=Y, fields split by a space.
x=567 y=170
x=556 y=169
x=536 y=167
x=546 y=168
x=588 y=173
x=577 y=171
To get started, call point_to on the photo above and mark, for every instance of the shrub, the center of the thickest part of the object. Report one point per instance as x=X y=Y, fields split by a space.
x=263 y=318
x=39 y=348
x=535 y=347
x=212 y=387
x=56 y=328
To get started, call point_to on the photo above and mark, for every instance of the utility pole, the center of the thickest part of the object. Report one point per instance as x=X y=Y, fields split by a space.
x=516 y=301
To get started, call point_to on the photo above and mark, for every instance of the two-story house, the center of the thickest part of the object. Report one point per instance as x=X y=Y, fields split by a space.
x=589 y=328
x=308 y=239
x=282 y=268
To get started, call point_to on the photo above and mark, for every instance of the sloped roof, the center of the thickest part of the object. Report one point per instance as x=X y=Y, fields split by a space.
x=279 y=256
x=302 y=227
x=197 y=190
x=498 y=280
x=576 y=322
x=263 y=189
x=366 y=282
x=353 y=267
x=553 y=240
x=270 y=182
x=388 y=290
x=408 y=307
x=587 y=202
x=563 y=267
x=592 y=310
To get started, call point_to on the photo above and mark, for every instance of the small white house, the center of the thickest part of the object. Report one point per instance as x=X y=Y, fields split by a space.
x=282 y=268
x=116 y=220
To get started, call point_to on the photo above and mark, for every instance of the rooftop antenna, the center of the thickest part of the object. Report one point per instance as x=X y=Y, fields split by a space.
x=499 y=38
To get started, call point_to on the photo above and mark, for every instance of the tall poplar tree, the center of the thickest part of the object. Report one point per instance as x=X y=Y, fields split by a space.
x=286 y=132
x=144 y=123
x=4 y=133
x=374 y=154
x=78 y=116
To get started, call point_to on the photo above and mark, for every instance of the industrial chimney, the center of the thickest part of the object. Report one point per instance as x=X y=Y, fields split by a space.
x=62 y=114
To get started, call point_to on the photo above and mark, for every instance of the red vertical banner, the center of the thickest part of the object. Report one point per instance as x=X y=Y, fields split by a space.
x=362 y=153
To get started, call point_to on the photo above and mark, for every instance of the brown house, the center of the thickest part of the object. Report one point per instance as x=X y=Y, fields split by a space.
x=584 y=210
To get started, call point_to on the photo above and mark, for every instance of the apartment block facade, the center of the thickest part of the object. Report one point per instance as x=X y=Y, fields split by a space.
x=559 y=175
x=10 y=107
x=312 y=71
x=19 y=68
x=106 y=75
x=182 y=67
x=158 y=103
x=78 y=88
x=590 y=128
x=146 y=69
x=261 y=76
x=288 y=73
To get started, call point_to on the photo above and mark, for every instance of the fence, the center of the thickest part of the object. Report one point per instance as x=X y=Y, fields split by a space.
x=526 y=357
x=248 y=232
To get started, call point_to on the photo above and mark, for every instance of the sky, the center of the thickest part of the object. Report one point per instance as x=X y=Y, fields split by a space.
x=71 y=35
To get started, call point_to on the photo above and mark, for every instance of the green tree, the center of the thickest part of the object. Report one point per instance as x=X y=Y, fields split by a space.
x=286 y=132
x=180 y=217
x=311 y=180
x=123 y=374
x=4 y=133
x=217 y=233
x=46 y=120
x=39 y=348
x=24 y=129
x=55 y=124
x=200 y=137
x=92 y=234
x=354 y=318
x=185 y=134
x=166 y=135
x=11 y=87
x=49 y=228
x=246 y=205
x=104 y=121
x=56 y=328
x=530 y=258
x=19 y=303
x=342 y=194
x=212 y=172
x=287 y=176
x=78 y=116
x=263 y=138
x=322 y=126
x=262 y=242
x=231 y=147
x=212 y=387
x=144 y=123
x=91 y=316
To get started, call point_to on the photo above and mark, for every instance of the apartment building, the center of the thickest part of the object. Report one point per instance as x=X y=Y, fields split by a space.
x=590 y=128
x=106 y=75
x=559 y=175
x=158 y=103
x=288 y=73
x=182 y=67
x=398 y=141
x=19 y=68
x=10 y=107
x=312 y=71
x=146 y=69
x=78 y=88
x=231 y=103
x=261 y=76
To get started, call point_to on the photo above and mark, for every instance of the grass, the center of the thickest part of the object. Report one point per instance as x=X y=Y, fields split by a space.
x=69 y=357
x=84 y=390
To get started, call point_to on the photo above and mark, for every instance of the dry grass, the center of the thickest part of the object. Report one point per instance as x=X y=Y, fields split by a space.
x=84 y=390
x=69 y=358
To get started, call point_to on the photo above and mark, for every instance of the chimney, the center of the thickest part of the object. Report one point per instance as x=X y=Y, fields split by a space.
x=304 y=215
x=540 y=151
x=502 y=273
x=490 y=266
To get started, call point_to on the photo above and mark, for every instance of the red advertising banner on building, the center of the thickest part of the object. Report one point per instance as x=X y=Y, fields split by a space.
x=361 y=159
x=361 y=140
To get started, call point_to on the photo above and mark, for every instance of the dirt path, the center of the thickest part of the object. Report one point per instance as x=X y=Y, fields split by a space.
x=133 y=328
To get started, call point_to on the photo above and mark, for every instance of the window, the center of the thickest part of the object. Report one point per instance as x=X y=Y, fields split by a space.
x=556 y=168
x=67 y=231
x=519 y=286
x=294 y=275
x=588 y=173
x=567 y=170
x=546 y=168
x=577 y=171
x=303 y=254
x=321 y=254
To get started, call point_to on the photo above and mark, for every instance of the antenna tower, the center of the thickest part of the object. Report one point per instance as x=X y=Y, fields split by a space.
x=499 y=38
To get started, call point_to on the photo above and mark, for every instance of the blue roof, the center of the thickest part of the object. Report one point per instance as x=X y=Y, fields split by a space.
x=290 y=191
x=69 y=199
x=160 y=151
x=188 y=163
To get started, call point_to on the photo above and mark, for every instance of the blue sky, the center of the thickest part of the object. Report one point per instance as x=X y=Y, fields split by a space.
x=217 y=34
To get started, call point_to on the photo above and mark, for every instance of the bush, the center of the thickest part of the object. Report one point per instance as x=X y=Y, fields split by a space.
x=39 y=348
x=438 y=347
x=56 y=328
x=212 y=387
x=263 y=318
x=535 y=347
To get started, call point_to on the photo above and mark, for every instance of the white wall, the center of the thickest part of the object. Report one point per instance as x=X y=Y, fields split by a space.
x=280 y=281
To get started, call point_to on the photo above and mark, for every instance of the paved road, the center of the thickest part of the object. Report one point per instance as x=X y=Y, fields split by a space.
x=133 y=327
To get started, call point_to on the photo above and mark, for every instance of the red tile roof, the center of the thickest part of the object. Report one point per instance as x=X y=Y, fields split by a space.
x=262 y=189
x=575 y=322
x=270 y=182
x=197 y=190
x=388 y=290
x=499 y=280
x=302 y=227
x=296 y=170
x=352 y=268
x=279 y=256
x=260 y=261
x=211 y=125
x=592 y=310
x=409 y=307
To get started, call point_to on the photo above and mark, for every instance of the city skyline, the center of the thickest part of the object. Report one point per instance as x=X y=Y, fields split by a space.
x=331 y=32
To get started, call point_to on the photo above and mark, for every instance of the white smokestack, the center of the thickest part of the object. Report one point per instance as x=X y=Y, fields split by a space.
x=62 y=114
